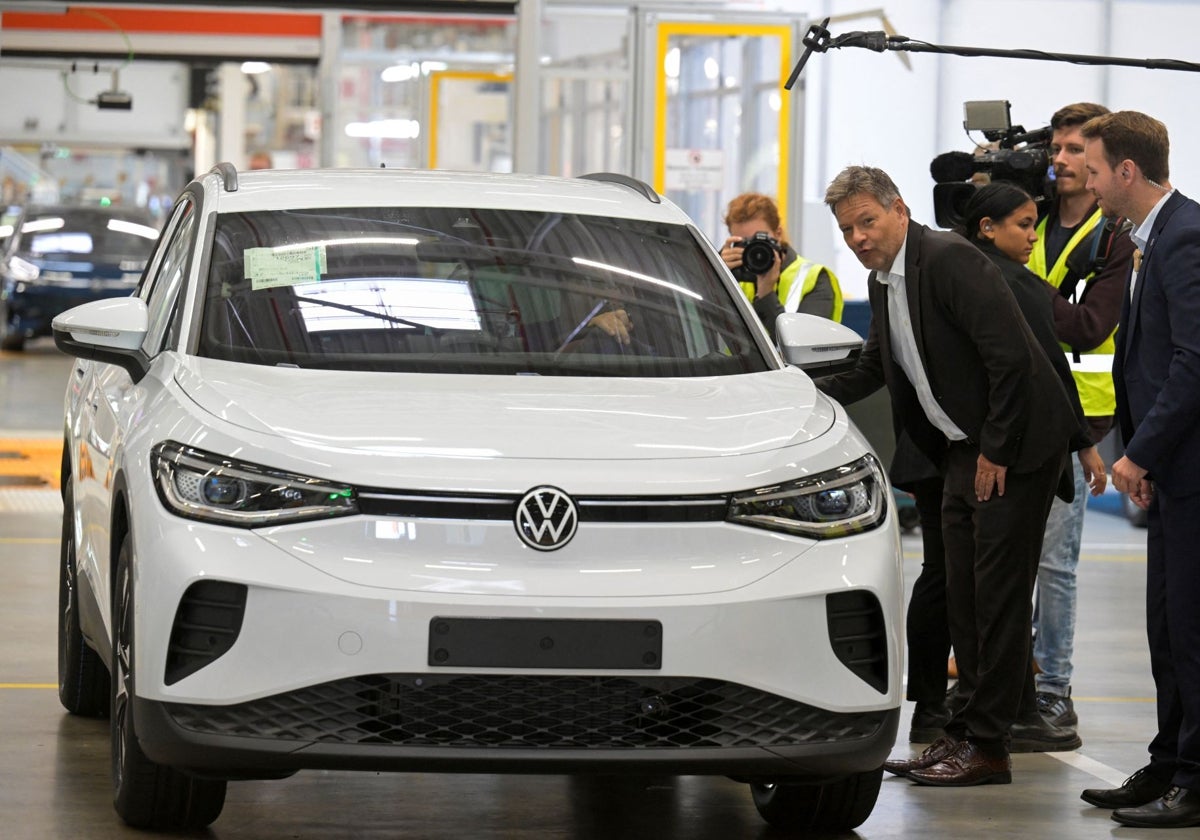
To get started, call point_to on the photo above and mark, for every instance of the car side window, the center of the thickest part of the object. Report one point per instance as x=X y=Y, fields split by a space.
x=162 y=285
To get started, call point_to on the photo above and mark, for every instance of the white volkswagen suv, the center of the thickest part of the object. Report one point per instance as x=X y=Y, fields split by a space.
x=420 y=471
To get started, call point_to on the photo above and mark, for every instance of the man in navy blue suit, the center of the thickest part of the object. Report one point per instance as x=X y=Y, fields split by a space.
x=1156 y=369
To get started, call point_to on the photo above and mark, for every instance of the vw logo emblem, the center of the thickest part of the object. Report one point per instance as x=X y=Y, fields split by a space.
x=546 y=518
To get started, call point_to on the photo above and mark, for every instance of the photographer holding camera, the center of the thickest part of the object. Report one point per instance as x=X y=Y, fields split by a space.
x=1083 y=257
x=774 y=277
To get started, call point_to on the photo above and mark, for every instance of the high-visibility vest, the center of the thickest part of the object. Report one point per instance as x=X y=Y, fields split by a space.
x=1093 y=371
x=790 y=292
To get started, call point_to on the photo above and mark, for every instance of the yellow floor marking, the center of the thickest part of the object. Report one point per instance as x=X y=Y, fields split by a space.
x=28 y=685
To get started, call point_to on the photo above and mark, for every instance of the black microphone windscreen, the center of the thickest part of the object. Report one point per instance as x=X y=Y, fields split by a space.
x=816 y=33
x=952 y=166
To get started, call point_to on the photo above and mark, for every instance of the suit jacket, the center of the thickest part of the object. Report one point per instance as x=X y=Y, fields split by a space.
x=1157 y=364
x=984 y=365
x=1038 y=311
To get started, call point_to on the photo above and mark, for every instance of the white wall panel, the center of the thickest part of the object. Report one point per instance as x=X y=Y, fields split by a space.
x=41 y=106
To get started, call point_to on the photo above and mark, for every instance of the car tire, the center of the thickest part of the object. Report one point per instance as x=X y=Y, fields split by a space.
x=83 y=684
x=830 y=807
x=147 y=794
x=1135 y=515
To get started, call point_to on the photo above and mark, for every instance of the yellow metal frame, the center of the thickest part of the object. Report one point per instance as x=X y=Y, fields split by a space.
x=435 y=82
x=666 y=30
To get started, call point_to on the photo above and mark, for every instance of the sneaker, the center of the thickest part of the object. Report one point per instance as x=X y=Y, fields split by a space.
x=1041 y=736
x=1058 y=710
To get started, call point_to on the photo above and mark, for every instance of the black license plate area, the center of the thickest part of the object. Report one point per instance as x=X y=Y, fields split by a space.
x=580 y=643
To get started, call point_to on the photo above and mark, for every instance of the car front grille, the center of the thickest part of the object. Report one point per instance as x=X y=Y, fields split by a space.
x=504 y=507
x=530 y=712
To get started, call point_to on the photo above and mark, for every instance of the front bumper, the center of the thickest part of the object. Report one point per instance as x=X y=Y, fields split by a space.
x=759 y=676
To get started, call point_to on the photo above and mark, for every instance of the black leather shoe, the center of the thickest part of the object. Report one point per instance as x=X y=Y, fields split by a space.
x=934 y=753
x=928 y=723
x=955 y=699
x=1177 y=808
x=969 y=764
x=1038 y=735
x=1140 y=788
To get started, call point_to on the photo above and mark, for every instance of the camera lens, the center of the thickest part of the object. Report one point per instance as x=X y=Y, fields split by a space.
x=758 y=256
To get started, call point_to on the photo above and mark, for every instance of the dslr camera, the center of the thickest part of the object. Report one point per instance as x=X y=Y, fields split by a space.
x=1023 y=158
x=758 y=255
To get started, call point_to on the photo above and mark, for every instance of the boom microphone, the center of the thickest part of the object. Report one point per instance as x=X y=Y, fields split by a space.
x=952 y=166
x=817 y=37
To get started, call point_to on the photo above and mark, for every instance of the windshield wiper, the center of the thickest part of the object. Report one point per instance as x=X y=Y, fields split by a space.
x=358 y=310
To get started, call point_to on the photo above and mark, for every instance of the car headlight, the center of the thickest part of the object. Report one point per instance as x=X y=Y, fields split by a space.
x=200 y=485
x=847 y=500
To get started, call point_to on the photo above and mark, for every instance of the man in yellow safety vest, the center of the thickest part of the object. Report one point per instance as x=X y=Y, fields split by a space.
x=1085 y=258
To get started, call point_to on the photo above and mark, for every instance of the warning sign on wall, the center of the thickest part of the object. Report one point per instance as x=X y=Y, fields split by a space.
x=695 y=169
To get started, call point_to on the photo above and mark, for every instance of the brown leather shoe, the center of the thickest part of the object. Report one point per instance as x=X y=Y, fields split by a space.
x=934 y=753
x=969 y=764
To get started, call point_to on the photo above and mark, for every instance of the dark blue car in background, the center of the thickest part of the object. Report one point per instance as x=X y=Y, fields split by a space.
x=53 y=258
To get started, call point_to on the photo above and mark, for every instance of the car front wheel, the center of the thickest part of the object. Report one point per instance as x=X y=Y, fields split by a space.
x=830 y=807
x=147 y=794
x=83 y=685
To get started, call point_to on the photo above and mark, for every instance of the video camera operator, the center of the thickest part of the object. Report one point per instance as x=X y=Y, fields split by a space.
x=777 y=280
x=1084 y=258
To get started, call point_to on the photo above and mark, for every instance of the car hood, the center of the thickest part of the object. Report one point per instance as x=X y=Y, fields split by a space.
x=517 y=417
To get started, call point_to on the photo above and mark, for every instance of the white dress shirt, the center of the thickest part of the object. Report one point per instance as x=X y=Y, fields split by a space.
x=904 y=346
x=1141 y=239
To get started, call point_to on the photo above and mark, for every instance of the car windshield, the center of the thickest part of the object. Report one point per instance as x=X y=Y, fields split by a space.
x=96 y=236
x=459 y=290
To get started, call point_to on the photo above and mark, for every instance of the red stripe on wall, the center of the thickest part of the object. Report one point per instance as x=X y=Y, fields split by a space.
x=163 y=22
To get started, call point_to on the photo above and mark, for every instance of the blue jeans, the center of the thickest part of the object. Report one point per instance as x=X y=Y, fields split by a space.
x=1054 y=614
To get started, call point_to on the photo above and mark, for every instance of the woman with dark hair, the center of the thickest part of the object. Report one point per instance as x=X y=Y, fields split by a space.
x=1001 y=220
x=1002 y=217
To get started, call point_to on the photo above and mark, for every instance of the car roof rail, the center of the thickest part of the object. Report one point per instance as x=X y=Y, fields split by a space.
x=228 y=173
x=640 y=187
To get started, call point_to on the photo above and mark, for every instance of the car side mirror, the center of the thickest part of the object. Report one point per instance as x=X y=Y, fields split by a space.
x=816 y=344
x=109 y=331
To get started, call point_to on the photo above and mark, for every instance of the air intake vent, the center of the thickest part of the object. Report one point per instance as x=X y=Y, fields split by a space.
x=858 y=635
x=206 y=625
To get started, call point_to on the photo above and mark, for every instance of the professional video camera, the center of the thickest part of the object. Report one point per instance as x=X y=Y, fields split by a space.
x=1022 y=158
x=758 y=255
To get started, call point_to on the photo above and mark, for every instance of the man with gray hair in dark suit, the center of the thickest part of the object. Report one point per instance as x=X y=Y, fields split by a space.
x=973 y=389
